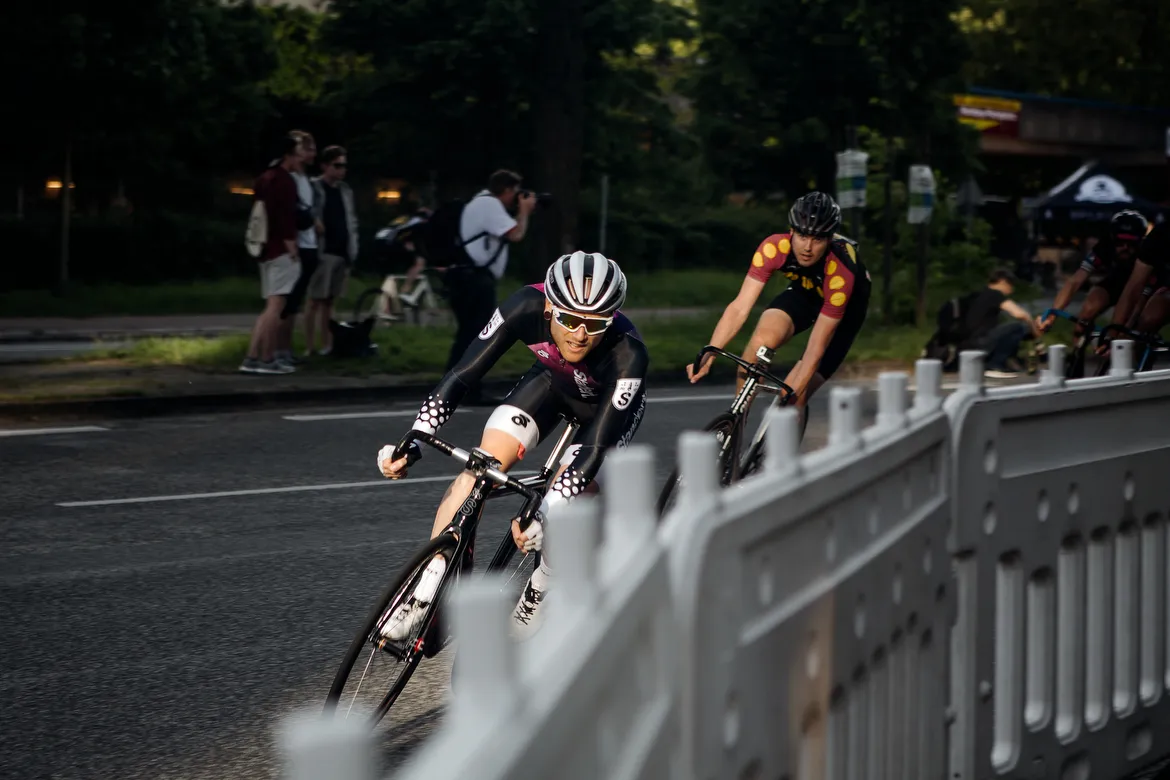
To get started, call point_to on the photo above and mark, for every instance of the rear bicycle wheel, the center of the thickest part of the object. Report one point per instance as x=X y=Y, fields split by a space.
x=368 y=689
x=726 y=429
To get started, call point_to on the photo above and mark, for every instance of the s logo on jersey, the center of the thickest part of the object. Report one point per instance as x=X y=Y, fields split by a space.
x=493 y=325
x=625 y=391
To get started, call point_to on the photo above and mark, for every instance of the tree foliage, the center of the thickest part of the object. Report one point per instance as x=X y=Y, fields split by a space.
x=1092 y=49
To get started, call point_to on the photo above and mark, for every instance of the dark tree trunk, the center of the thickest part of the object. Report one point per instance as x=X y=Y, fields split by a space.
x=560 y=111
x=66 y=214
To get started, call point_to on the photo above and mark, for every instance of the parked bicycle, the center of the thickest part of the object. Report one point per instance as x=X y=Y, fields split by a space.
x=728 y=426
x=372 y=687
x=389 y=304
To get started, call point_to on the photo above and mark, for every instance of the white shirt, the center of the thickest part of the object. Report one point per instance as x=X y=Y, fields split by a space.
x=485 y=213
x=306 y=239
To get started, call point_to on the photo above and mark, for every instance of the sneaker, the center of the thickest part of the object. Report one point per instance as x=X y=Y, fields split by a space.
x=274 y=367
x=995 y=373
x=407 y=619
x=325 y=351
x=527 y=618
x=250 y=366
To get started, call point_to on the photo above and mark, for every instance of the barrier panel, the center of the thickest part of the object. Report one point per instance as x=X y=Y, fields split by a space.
x=592 y=695
x=974 y=589
x=1061 y=489
x=815 y=599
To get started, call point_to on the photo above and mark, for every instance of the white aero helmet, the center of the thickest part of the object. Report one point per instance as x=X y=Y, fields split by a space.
x=566 y=288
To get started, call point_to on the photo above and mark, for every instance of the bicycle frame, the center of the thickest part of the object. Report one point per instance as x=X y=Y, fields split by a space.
x=1151 y=342
x=752 y=385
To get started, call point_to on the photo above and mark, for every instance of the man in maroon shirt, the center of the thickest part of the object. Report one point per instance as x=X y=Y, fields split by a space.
x=279 y=262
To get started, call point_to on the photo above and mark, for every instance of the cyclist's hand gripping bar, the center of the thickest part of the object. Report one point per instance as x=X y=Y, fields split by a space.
x=752 y=368
x=469 y=459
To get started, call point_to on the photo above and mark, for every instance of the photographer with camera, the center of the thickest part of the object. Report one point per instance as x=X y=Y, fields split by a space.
x=485 y=229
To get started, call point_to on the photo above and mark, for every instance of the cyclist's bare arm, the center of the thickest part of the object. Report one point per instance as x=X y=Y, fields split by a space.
x=1065 y=295
x=729 y=325
x=801 y=377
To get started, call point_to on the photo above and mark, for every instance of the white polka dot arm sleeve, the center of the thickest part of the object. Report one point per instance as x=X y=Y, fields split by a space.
x=567 y=486
x=433 y=414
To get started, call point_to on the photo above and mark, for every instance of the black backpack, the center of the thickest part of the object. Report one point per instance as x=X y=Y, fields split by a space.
x=444 y=246
x=952 y=320
x=951 y=330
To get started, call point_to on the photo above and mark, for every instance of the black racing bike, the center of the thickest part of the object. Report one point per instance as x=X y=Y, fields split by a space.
x=1150 y=347
x=1074 y=362
x=728 y=426
x=376 y=669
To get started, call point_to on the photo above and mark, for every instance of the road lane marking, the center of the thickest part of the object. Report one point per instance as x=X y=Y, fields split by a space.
x=47 y=431
x=266 y=491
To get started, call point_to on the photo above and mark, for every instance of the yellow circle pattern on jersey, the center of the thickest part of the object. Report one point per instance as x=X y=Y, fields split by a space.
x=769 y=250
x=837 y=299
x=758 y=260
x=836 y=283
x=785 y=246
x=852 y=252
x=831 y=268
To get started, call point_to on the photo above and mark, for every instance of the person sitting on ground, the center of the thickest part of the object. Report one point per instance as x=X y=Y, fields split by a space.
x=983 y=330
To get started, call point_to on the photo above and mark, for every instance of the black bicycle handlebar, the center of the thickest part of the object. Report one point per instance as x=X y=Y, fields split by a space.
x=472 y=459
x=751 y=368
x=1150 y=339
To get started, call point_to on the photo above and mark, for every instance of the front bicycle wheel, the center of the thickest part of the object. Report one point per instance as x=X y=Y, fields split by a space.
x=376 y=669
x=726 y=430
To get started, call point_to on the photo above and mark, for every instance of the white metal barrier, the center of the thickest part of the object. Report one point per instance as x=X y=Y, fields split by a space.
x=593 y=693
x=1062 y=491
x=814 y=600
x=806 y=622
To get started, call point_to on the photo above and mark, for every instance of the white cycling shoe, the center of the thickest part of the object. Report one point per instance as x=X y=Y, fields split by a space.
x=527 y=616
x=405 y=622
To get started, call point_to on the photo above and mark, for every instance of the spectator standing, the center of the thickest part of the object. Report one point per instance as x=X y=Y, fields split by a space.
x=306 y=244
x=1001 y=341
x=333 y=199
x=485 y=230
x=279 y=261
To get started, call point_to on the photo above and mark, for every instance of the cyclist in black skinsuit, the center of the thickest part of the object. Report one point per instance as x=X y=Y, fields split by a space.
x=1108 y=266
x=590 y=366
x=1150 y=270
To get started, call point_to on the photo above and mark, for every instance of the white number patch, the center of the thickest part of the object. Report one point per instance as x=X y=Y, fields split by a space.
x=625 y=392
x=493 y=325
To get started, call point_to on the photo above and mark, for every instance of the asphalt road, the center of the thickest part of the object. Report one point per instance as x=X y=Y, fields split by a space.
x=151 y=638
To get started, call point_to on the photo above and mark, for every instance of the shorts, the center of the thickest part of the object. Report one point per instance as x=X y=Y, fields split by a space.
x=278 y=276
x=296 y=297
x=544 y=407
x=804 y=306
x=329 y=279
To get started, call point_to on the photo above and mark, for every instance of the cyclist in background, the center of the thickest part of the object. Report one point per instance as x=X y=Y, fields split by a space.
x=1150 y=270
x=590 y=366
x=828 y=292
x=1109 y=265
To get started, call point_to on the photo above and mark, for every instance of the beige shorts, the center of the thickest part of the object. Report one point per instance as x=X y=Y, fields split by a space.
x=329 y=279
x=278 y=276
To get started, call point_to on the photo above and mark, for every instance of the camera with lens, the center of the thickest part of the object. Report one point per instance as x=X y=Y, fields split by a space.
x=543 y=199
